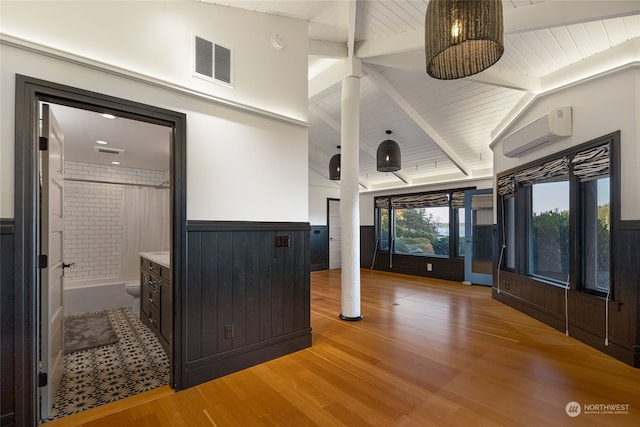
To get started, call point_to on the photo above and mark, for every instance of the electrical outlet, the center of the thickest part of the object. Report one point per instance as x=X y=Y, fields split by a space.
x=228 y=332
x=429 y=267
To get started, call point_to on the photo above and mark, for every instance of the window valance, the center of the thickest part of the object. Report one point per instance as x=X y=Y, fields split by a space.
x=592 y=163
x=586 y=165
x=425 y=200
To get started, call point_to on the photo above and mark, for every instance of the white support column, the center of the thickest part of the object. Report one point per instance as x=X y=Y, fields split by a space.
x=350 y=199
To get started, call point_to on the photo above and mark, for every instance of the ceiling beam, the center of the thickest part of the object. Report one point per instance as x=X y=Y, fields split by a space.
x=327 y=49
x=325 y=117
x=492 y=76
x=382 y=84
x=351 y=28
x=326 y=82
x=548 y=14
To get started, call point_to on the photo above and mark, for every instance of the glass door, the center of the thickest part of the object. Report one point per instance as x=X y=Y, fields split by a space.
x=479 y=239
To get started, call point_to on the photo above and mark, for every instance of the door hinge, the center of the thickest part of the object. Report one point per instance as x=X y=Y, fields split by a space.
x=42 y=261
x=42 y=379
x=44 y=143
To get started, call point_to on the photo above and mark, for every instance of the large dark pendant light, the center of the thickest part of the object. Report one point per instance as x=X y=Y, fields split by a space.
x=462 y=37
x=388 y=155
x=334 y=167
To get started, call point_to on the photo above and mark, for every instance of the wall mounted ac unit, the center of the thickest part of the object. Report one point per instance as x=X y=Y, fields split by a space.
x=551 y=127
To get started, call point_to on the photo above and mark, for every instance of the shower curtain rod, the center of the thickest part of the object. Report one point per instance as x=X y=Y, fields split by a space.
x=94 y=181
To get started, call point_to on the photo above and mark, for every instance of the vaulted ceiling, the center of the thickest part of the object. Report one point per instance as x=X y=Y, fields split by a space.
x=444 y=128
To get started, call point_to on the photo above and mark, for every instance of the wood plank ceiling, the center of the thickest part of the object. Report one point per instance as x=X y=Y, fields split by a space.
x=445 y=128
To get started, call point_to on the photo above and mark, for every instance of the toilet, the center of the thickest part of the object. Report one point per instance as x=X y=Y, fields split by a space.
x=133 y=289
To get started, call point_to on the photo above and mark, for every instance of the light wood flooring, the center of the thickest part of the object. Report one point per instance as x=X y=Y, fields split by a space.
x=428 y=353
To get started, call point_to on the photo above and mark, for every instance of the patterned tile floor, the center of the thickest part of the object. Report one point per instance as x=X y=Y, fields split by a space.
x=96 y=376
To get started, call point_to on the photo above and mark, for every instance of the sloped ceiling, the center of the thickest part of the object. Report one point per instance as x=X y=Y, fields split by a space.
x=445 y=128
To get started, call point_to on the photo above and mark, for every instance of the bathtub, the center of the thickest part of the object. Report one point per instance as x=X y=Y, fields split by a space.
x=91 y=295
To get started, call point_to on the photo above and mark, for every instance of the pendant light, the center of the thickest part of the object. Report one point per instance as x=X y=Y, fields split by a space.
x=388 y=155
x=462 y=37
x=334 y=167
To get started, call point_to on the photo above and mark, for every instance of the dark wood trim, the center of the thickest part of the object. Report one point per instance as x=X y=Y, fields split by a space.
x=629 y=225
x=247 y=297
x=29 y=92
x=616 y=348
x=246 y=226
x=442 y=267
x=7 y=226
x=7 y=323
x=234 y=361
x=329 y=199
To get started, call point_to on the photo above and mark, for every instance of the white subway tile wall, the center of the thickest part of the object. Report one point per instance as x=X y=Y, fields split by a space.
x=92 y=217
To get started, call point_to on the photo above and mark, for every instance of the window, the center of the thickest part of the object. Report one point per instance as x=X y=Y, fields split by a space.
x=556 y=217
x=596 y=217
x=509 y=233
x=424 y=224
x=422 y=231
x=548 y=231
x=461 y=226
x=383 y=227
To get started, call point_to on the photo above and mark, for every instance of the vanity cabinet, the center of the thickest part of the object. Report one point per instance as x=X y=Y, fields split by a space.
x=156 y=305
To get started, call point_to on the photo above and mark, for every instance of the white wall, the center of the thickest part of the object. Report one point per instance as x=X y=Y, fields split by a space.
x=154 y=38
x=241 y=165
x=320 y=189
x=600 y=106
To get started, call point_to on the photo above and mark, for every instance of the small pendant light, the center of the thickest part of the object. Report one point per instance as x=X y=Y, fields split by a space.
x=388 y=155
x=334 y=167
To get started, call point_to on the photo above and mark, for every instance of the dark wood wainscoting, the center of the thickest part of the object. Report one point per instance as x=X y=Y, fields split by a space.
x=587 y=312
x=247 y=295
x=7 y=282
x=319 y=247
x=442 y=268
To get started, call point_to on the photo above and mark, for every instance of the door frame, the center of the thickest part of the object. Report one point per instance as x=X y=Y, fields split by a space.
x=29 y=92
x=469 y=275
x=329 y=200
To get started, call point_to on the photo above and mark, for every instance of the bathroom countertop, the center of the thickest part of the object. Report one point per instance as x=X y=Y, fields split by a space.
x=161 y=258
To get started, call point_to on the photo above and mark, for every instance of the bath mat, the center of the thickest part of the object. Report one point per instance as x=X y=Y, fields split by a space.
x=88 y=331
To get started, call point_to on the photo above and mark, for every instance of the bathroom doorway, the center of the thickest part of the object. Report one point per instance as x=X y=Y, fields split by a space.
x=30 y=94
x=113 y=179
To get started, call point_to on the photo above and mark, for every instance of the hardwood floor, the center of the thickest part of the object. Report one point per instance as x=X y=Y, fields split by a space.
x=428 y=353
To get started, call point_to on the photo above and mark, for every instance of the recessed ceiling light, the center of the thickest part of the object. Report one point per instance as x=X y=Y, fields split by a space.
x=115 y=163
x=102 y=142
x=108 y=116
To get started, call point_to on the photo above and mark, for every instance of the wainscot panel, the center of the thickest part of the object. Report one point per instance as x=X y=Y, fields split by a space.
x=587 y=313
x=247 y=298
x=442 y=268
x=7 y=376
x=367 y=245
